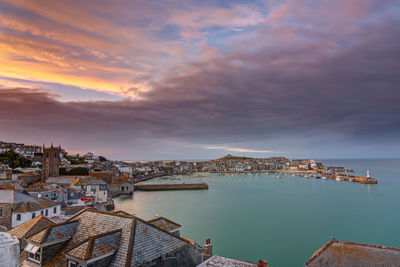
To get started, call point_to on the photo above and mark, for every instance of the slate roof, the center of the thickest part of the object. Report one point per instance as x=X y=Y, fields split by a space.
x=13 y=196
x=97 y=245
x=60 y=231
x=37 y=204
x=218 y=261
x=341 y=253
x=30 y=227
x=138 y=241
x=61 y=179
x=151 y=243
x=164 y=223
x=88 y=181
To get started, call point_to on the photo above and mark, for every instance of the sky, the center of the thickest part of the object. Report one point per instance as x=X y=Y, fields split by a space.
x=147 y=80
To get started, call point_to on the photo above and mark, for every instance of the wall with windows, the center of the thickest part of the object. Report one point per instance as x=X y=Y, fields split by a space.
x=20 y=218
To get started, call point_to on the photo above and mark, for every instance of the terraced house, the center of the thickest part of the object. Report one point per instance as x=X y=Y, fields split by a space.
x=94 y=238
x=17 y=208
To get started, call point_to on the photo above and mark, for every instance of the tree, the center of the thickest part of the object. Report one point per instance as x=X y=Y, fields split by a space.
x=102 y=159
x=14 y=160
x=79 y=171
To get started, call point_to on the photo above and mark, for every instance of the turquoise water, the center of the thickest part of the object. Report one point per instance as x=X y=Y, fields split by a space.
x=256 y=216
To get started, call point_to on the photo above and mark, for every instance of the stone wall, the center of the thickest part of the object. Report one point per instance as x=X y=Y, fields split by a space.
x=5 y=219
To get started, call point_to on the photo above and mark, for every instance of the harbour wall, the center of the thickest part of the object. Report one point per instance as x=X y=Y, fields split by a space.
x=161 y=187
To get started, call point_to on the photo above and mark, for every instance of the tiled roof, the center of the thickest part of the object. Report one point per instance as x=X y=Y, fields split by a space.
x=164 y=223
x=31 y=227
x=92 y=223
x=151 y=243
x=37 y=204
x=37 y=238
x=88 y=181
x=97 y=245
x=218 y=261
x=136 y=242
x=341 y=253
x=55 y=232
x=13 y=196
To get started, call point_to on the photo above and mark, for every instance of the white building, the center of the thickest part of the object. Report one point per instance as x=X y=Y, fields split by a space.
x=93 y=188
x=17 y=208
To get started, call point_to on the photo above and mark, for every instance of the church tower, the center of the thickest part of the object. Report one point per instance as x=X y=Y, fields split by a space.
x=50 y=162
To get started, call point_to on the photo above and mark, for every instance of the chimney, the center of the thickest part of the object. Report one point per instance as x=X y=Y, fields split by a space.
x=261 y=263
x=207 y=249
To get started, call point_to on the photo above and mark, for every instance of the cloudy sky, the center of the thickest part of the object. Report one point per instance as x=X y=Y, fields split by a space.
x=199 y=79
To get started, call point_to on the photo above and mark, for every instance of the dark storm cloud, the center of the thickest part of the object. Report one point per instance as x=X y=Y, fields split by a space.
x=316 y=77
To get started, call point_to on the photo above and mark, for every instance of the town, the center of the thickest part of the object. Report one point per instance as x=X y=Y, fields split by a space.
x=56 y=209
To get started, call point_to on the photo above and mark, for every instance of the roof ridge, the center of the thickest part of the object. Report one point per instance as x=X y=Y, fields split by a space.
x=101 y=212
x=161 y=217
x=319 y=251
x=368 y=245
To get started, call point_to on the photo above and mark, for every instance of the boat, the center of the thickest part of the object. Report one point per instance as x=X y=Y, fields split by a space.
x=317 y=176
x=323 y=178
x=339 y=178
x=306 y=176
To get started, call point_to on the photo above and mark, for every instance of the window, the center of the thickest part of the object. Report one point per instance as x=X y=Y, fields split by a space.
x=18 y=217
x=72 y=264
x=33 y=215
x=1 y=213
x=55 y=210
x=47 y=212
x=42 y=212
x=34 y=257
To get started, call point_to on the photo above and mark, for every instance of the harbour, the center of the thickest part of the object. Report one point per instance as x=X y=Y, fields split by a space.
x=271 y=216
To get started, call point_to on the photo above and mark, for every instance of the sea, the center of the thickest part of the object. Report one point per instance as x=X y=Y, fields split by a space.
x=281 y=220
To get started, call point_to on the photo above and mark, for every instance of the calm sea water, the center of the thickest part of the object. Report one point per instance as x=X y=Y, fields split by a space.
x=254 y=216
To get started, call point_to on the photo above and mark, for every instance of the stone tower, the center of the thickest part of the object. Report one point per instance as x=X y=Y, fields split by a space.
x=50 y=162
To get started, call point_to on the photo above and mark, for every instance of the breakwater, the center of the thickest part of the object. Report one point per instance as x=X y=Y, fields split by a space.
x=162 y=187
x=354 y=178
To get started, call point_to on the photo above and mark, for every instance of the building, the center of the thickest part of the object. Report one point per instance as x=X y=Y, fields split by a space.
x=344 y=254
x=94 y=238
x=121 y=186
x=5 y=172
x=49 y=192
x=50 y=162
x=93 y=188
x=17 y=208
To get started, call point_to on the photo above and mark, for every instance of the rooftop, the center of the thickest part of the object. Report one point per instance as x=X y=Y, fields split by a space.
x=24 y=230
x=341 y=253
x=218 y=261
x=164 y=223
x=97 y=233
x=13 y=196
x=37 y=204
